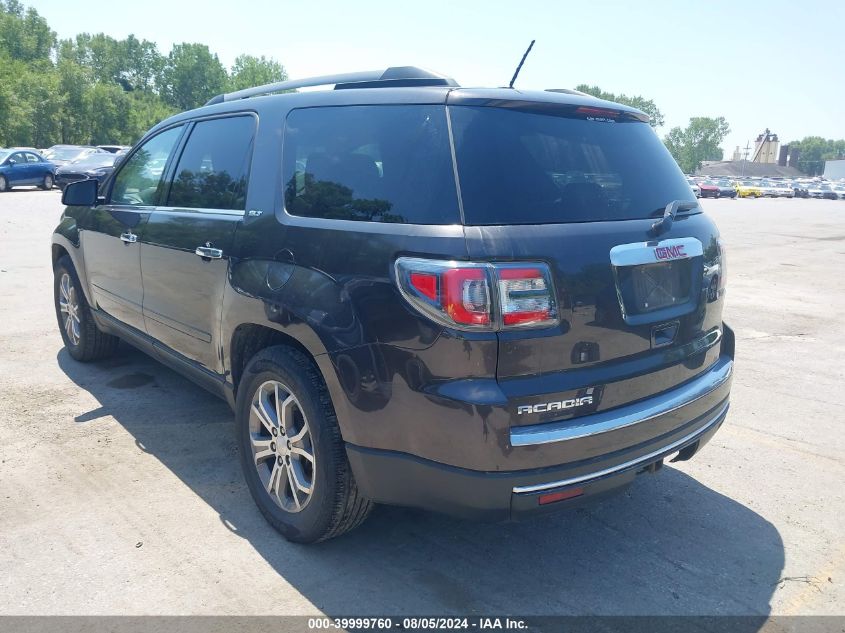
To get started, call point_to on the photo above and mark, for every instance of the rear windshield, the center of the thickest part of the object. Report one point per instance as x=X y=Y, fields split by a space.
x=519 y=167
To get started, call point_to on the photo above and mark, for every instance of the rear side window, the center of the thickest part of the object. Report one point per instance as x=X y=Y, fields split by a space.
x=214 y=167
x=370 y=163
x=517 y=167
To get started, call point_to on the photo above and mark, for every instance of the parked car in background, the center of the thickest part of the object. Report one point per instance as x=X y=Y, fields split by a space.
x=827 y=192
x=63 y=154
x=800 y=189
x=748 y=189
x=709 y=189
x=768 y=188
x=783 y=189
x=94 y=166
x=726 y=188
x=22 y=167
x=695 y=188
x=822 y=190
x=839 y=190
x=115 y=149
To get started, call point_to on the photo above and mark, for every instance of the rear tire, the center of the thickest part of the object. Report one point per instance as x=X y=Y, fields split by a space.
x=82 y=338
x=283 y=413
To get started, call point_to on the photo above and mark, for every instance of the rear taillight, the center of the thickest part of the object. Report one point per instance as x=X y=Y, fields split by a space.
x=525 y=296
x=479 y=296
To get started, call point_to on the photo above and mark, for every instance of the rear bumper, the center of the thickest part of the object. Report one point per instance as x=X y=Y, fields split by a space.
x=605 y=452
x=401 y=479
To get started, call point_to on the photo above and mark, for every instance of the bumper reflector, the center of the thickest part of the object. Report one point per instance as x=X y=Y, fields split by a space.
x=563 y=495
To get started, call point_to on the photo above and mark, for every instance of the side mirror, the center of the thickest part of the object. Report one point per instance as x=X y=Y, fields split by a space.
x=82 y=193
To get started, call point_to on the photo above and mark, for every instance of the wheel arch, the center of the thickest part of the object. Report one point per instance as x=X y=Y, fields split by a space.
x=250 y=338
x=63 y=246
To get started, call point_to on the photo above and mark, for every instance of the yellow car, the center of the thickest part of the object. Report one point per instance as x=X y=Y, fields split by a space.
x=747 y=189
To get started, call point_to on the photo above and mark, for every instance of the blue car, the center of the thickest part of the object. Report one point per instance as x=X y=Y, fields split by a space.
x=24 y=167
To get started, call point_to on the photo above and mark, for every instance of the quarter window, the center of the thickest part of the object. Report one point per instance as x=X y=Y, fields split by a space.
x=139 y=181
x=370 y=163
x=214 y=167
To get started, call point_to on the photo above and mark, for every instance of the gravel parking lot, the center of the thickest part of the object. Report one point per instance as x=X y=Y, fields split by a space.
x=120 y=490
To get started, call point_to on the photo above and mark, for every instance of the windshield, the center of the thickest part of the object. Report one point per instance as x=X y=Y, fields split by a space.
x=3 y=155
x=517 y=167
x=66 y=153
x=95 y=160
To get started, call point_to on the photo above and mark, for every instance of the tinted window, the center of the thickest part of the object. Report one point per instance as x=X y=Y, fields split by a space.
x=139 y=181
x=214 y=167
x=370 y=163
x=524 y=168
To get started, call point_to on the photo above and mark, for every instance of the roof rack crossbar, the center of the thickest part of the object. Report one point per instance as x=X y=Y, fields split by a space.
x=346 y=79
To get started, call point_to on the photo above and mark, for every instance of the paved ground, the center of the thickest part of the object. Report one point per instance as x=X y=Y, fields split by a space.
x=120 y=491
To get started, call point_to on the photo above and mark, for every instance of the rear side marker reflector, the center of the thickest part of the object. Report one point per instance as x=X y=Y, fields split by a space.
x=479 y=296
x=563 y=495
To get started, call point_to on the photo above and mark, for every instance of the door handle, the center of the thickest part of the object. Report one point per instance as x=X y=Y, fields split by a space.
x=206 y=252
x=128 y=238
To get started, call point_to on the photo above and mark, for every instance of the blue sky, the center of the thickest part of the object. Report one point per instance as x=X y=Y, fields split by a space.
x=773 y=64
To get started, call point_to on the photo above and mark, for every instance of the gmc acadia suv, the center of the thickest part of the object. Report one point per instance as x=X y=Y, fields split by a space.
x=484 y=302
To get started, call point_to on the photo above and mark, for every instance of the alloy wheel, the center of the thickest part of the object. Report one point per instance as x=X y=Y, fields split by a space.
x=282 y=447
x=69 y=307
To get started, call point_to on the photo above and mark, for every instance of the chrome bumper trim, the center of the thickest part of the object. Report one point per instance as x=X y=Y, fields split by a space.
x=643 y=459
x=628 y=415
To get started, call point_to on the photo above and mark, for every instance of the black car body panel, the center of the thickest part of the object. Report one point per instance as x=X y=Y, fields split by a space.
x=430 y=413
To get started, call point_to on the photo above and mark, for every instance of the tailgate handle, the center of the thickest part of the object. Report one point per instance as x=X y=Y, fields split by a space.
x=663 y=335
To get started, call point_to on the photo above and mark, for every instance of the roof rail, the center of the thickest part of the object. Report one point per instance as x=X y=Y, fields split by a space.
x=397 y=76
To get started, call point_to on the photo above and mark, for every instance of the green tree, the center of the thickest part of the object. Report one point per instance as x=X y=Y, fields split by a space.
x=698 y=142
x=24 y=35
x=813 y=151
x=641 y=103
x=75 y=86
x=191 y=76
x=249 y=71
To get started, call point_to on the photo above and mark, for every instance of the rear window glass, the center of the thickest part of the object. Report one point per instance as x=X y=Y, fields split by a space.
x=519 y=167
x=370 y=163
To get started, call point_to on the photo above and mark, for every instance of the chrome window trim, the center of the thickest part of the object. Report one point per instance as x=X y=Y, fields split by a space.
x=643 y=459
x=625 y=416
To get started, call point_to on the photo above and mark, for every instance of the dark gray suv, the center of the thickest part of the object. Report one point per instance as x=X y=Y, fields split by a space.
x=484 y=302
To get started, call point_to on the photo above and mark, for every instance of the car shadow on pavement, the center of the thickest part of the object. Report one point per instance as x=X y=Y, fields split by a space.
x=669 y=545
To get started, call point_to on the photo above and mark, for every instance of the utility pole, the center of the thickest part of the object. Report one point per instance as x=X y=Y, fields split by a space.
x=745 y=158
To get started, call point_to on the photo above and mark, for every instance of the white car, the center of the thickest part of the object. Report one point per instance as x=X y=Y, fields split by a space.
x=839 y=190
x=783 y=189
x=768 y=188
x=695 y=188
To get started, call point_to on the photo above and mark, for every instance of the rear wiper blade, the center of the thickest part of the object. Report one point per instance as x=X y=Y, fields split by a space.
x=665 y=222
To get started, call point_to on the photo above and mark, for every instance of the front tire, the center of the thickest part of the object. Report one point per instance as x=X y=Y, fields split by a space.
x=82 y=338
x=292 y=454
x=48 y=182
x=4 y=184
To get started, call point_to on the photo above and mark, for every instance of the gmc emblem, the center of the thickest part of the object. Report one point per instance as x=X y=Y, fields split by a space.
x=670 y=252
